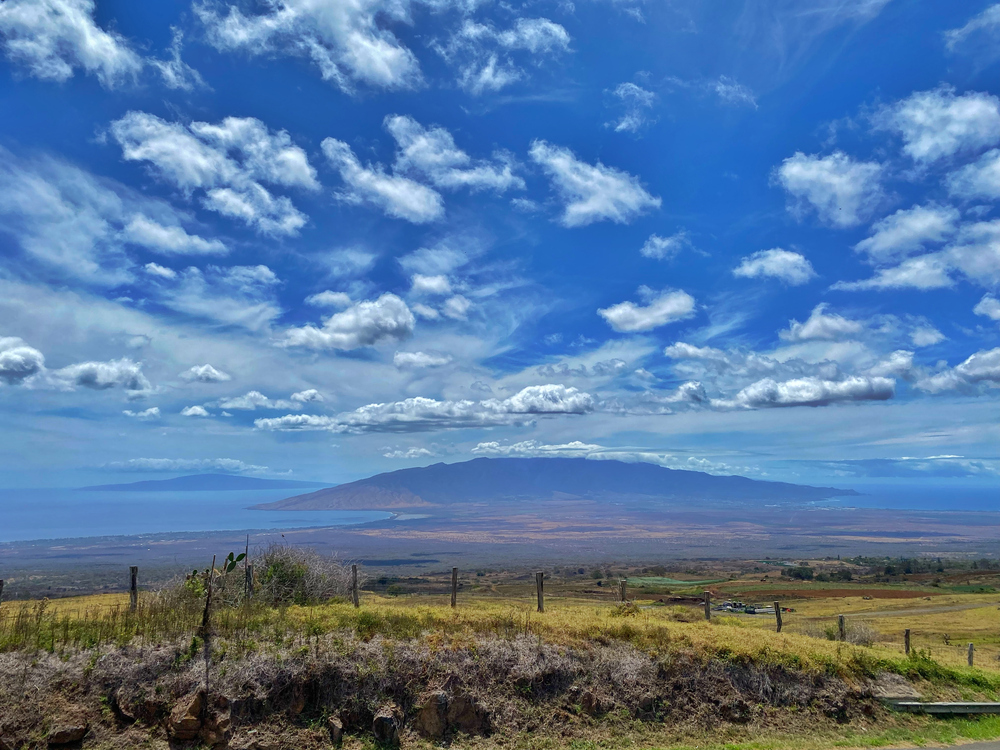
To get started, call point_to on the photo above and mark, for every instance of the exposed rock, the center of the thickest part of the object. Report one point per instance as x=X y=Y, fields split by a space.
x=385 y=727
x=590 y=703
x=336 y=728
x=218 y=722
x=431 y=720
x=890 y=687
x=185 y=720
x=65 y=734
x=468 y=715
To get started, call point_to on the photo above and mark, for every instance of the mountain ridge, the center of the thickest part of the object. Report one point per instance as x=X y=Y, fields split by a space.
x=204 y=483
x=510 y=479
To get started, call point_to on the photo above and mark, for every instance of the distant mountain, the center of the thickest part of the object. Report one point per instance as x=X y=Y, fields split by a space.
x=205 y=482
x=519 y=479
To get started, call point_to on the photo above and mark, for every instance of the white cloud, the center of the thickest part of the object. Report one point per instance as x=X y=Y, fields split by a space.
x=399 y=197
x=230 y=465
x=228 y=161
x=205 y=374
x=663 y=248
x=160 y=272
x=409 y=453
x=425 y=312
x=667 y=307
x=821 y=326
x=310 y=396
x=362 y=324
x=252 y=400
x=898 y=364
x=792 y=268
x=926 y=336
x=431 y=153
x=768 y=393
x=909 y=231
x=937 y=124
x=152 y=412
x=457 y=307
x=237 y=295
x=980 y=179
x=635 y=100
x=982 y=369
x=18 y=361
x=976 y=252
x=681 y=350
x=421 y=284
x=988 y=306
x=485 y=55
x=923 y=272
x=117 y=373
x=176 y=73
x=534 y=448
x=422 y=414
x=420 y=359
x=841 y=190
x=733 y=92
x=983 y=27
x=329 y=299
x=52 y=38
x=349 y=42
x=173 y=240
x=591 y=193
x=195 y=411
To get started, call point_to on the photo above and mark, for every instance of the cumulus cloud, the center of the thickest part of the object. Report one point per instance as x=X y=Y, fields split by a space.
x=228 y=465
x=18 y=361
x=663 y=248
x=792 y=268
x=534 y=448
x=768 y=393
x=923 y=272
x=420 y=359
x=821 y=326
x=152 y=412
x=839 y=189
x=635 y=101
x=988 y=306
x=170 y=240
x=588 y=192
x=661 y=309
x=195 y=411
x=909 y=231
x=397 y=196
x=976 y=252
x=409 y=453
x=981 y=370
x=309 y=396
x=205 y=374
x=431 y=154
x=898 y=364
x=457 y=307
x=926 y=336
x=100 y=376
x=252 y=400
x=160 y=272
x=486 y=56
x=329 y=299
x=52 y=39
x=937 y=124
x=421 y=284
x=227 y=163
x=364 y=323
x=603 y=369
x=347 y=42
x=980 y=179
x=422 y=414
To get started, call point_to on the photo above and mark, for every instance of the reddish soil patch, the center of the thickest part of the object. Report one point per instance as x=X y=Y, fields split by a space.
x=836 y=594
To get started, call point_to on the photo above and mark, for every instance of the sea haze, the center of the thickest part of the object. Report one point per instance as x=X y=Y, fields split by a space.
x=67 y=513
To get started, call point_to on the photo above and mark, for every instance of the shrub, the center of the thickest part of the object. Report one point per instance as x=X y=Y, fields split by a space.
x=298 y=575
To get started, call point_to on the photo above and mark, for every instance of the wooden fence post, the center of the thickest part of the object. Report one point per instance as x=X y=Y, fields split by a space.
x=248 y=584
x=133 y=588
x=842 y=627
x=454 y=588
x=708 y=605
x=906 y=641
x=623 y=590
x=354 y=586
x=539 y=578
x=777 y=615
x=972 y=650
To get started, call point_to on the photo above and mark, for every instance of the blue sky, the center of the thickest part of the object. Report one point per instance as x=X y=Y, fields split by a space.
x=325 y=239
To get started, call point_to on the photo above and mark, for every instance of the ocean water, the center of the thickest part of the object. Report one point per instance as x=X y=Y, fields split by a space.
x=66 y=513
x=921 y=497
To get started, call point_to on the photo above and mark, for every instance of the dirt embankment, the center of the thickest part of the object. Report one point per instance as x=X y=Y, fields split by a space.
x=397 y=690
